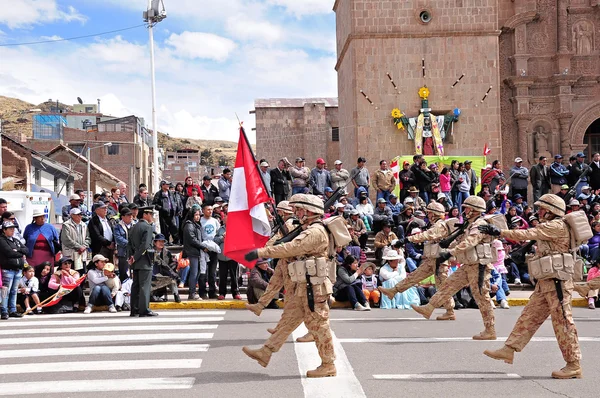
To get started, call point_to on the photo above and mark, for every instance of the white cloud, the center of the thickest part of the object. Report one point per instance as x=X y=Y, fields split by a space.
x=53 y=37
x=201 y=45
x=118 y=55
x=301 y=8
x=188 y=125
x=26 y=13
x=246 y=29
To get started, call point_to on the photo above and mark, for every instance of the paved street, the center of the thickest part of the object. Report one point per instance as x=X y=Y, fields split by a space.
x=198 y=353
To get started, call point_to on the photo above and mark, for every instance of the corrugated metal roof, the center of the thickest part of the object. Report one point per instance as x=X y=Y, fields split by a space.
x=293 y=102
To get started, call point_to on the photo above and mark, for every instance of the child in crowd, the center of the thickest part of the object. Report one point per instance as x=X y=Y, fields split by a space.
x=29 y=287
x=369 y=285
x=499 y=265
x=195 y=199
x=593 y=294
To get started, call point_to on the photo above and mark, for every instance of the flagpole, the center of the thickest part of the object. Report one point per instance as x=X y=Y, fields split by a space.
x=42 y=303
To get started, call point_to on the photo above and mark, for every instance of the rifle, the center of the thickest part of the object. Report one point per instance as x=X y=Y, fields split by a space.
x=445 y=243
x=573 y=189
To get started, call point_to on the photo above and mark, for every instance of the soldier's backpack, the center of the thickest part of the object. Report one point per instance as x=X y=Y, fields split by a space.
x=581 y=232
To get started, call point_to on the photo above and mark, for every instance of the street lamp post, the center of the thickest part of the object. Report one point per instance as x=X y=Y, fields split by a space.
x=89 y=160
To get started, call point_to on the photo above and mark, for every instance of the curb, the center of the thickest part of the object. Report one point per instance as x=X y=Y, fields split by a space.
x=240 y=305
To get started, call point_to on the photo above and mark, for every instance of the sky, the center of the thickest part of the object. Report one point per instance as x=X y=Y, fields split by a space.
x=213 y=58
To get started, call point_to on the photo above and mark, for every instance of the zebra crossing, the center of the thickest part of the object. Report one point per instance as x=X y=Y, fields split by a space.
x=101 y=352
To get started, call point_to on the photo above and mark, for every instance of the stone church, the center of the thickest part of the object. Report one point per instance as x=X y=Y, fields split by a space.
x=524 y=75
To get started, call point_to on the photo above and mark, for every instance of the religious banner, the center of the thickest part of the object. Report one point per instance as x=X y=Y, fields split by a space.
x=478 y=164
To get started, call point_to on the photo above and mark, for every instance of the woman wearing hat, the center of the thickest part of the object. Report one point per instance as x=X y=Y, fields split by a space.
x=392 y=273
x=11 y=262
x=66 y=275
x=348 y=286
x=42 y=239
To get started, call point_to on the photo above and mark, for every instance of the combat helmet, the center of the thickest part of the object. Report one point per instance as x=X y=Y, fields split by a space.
x=476 y=203
x=285 y=207
x=436 y=208
x=553 y=203
x=308 y=202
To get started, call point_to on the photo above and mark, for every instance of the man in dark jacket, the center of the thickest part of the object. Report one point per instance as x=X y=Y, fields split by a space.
x=101 y=232
x=209 y=191
x=594 y=173
x=558 y=174
x=575 y=172
x=540 y=178
x=11 y=259
x=141 y=253
x=280 y=179
x=166 y=204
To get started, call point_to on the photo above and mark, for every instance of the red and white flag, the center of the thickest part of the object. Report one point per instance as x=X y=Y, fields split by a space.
x=247 y=226
x=486 y=150
x=63 y=291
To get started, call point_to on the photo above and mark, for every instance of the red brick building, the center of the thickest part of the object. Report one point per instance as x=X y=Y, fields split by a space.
x=540 y=58
x=181 y=164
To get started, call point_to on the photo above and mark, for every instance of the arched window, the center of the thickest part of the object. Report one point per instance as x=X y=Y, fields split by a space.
x=592 y=139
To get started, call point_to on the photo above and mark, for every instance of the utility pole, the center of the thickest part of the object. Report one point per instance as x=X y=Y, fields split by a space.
x=153 y=15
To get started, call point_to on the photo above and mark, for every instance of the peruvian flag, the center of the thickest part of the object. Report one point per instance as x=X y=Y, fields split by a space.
x=63 y=291
x=247 y=226
x=486 y=150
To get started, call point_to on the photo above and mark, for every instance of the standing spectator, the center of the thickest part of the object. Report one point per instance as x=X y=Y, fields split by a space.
x=519 y=176
x=577 y=168
x=360 y=176
x=74 y=202
x=384 y=181
x=121 y=233
x=209 y=191
x=189 y=185
x=115 y=199
x=178 y=213
x=594 y=173
x=3 y=206
x=41 y=238
x=382 y=215
x=540 y=178
x=192 y=247
x=10 y=216
x=425 y=177
x=166 y=204
x=319 y=178
x=137 y=195
x=454 y=180
x=472 y=176
x=407 y=180
x=280 y=178
x=210 y=226
x=300 y=176
x=571 y=178
x=416 y=163
x=446 y=185
x=340 y=177
x=463 y=185
x=227 y=266
x=11 y=261
x=139 y=248
x=142 y=199
x=265 y=174
x=101 y=232
x=75 y=240
x=123 y=188
x=225 y=184
x=558 y=174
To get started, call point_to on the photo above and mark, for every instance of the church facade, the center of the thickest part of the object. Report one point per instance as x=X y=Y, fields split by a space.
x=520 y=76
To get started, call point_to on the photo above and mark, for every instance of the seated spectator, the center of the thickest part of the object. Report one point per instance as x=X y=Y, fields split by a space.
x=369 y=285
x=491 y=208
x=382 y=214
x=347 y=206
x=390 y=275
x=361 y=192
x=43 y=273
x=533 y=221
x=348 y=286
x=454 y=213
x=383 y=239
x=406 y=216
x=444 y=201
x=584 y=200
x=358 y=230
x=258 y=282
x=414 y=252
x=496 y=289
x=417 y=201
x=593 y=272
x=564 y=190
x=67 y=276
x=29 y=287
x=591 y=250
x=100 y=293
x=340 y=210
x=365 y=210
x=164 y=272
x=519 y=204
x=396 y=207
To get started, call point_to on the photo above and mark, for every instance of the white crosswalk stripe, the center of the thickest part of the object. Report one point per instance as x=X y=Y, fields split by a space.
x=138 y=353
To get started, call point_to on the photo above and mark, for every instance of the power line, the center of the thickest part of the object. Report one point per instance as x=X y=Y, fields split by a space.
x=71 y=38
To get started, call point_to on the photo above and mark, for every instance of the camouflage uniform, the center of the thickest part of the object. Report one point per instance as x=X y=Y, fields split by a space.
x=552 y=237
x=437 y=232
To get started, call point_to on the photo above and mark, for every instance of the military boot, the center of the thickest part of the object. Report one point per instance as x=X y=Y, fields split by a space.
x=488 y=334
x=447 y=316
x=389 y=292
x=256 y=308
x=271 y=330
x=505 y=354
x=425 y=310
x=307 y=338
x=583 y=290
x=571 y=371
x=262 y=355
x=325 y=370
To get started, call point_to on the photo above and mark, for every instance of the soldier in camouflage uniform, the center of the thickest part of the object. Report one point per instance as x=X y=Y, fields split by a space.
x=552 y=236
x=438 y=231
x=312 y=242
x=467 y=274
x=277 y=280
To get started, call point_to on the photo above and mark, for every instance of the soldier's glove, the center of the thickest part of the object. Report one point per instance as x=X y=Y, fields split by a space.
x=251 y=256
x=489 y=229
x=444 y=255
